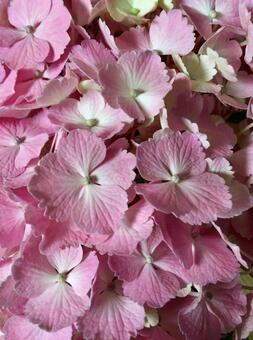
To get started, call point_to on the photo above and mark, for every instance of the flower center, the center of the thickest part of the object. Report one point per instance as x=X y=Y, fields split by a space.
x=135 y=92
x=148 y=259
x=91 y=122
x=62 y=277
x=175 y=178
x=87 y=180
x=212 y=14
x=20 y=140
x=29 y=29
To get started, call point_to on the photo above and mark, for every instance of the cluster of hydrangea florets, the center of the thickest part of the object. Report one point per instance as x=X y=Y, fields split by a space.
x=126 y=169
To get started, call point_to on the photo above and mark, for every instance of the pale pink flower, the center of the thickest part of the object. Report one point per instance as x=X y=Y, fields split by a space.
x=205 y=13
x=126 y=316
x=89 y=57
x=91 y=112
x=147 y=274
x=56 y=285
x=37 y=32
x=137 y=83
x=159 y=37
x=20 y=142
x=85 y=182
x=176 y=167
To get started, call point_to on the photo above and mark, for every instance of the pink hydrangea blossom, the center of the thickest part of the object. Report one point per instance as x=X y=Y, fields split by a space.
x=148 y=273
x=90 y=189
x=202 y=252
x=175 y=164
x=159 y=37
x=32 y=34
x=92 y=113
x=21 y=141
x=126 y=316
x=126 y=173
x=139 y=84
x=56 y=285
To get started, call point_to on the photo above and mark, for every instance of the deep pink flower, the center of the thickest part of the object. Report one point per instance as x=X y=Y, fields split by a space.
x=201 y=250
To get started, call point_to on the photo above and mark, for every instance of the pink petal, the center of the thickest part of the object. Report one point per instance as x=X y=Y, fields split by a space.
x=56 y=308
x=9 y=36
x=7 y=86
x=126 y=317
x=26 y=53
x=54 y=92
x=228 y=304
x=180 y=42
x=133 y=228
x=242 y=88
x=242 y=160
x=12 y=221
x=55 y=235
x=208 y=195
x=33 y=273
x=166 y=197
x=18 y=327
x=82 y=276
x=65 y=259
x=199 y=323
x=116 y=169
x=54 y=28
x=171 y=155
x=135 y=38
x=154 y=287
x=90 y=57
x=24 y=13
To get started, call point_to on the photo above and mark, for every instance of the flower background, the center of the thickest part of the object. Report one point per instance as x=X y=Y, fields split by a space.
x=126 y=169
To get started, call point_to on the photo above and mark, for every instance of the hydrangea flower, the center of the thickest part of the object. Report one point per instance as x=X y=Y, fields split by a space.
x=126 y=173
x=56 y=285
x=82 y=181
x=92 y=113
x=139 y=84
x=32 y=35
x=176 y=167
